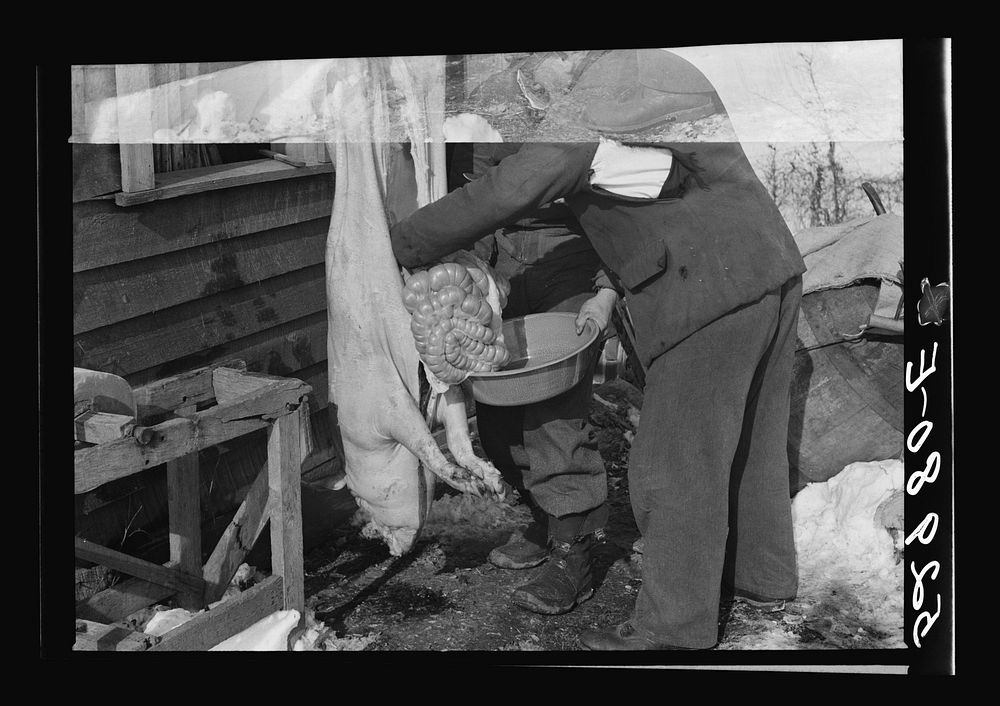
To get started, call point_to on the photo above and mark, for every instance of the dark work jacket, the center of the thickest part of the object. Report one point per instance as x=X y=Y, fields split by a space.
x=548 y=234
x=713 y=242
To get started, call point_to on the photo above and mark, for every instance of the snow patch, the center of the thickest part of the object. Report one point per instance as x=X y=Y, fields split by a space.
x=269 y=634
x=845 y=555
x=166 y=620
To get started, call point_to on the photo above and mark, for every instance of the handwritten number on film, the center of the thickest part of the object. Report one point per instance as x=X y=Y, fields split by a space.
x=927 y=529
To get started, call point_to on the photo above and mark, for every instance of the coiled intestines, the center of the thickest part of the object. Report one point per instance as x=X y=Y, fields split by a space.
x=453 y=323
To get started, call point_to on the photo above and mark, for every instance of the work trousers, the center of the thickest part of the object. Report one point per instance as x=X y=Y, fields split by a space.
x=548 y=450
x=708 y=471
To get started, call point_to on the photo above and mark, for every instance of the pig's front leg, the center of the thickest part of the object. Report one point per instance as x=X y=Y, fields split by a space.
x=408 y=427
x=451 y=412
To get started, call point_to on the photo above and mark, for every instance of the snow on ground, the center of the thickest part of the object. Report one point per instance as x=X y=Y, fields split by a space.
x=850 y=580
x=269 y=634
x=842 y=545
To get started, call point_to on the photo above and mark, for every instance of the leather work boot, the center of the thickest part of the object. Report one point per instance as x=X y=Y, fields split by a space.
x=564 y=582
x=526 y=548
x=643 y=107
x=622 y=637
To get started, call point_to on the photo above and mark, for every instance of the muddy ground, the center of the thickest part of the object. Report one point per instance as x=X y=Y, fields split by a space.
x=445 y=595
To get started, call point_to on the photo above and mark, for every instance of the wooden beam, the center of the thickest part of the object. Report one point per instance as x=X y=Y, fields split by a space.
x=241 y=395
x=121 y=600
x=284 y=463
x=97 y=465
x=231 y=385
x=78 y=100
x=104 y=234
x=105 y=296
x=237 y=540
x=275 y=400
x=134 y=566
x=100 y=427
x=135 y=125
x=171 y=185
x=170 y=393
x=184 y=516
x=92 y=636
x=206 y=630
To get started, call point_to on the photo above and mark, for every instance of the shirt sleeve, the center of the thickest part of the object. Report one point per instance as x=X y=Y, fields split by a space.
x=521 y=183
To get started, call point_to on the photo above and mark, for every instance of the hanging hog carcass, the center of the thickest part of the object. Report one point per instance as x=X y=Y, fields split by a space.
x=391 y=459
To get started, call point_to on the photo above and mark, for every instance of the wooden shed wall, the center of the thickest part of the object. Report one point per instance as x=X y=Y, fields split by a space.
x=175 y=284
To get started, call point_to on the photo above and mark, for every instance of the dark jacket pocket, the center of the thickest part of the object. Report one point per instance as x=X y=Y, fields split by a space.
x=645 y=261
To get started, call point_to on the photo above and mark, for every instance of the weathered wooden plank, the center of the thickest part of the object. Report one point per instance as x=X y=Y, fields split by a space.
x=107 y=295
x=135 y=125
x=184 y=517
x=276 y=351
x=96 y=167
x=174 y=438
x=172 y=392
x=140 y=568
x=275 y=399
x=208 y=629
x=78 y=100
x=93 y=636
x=284 y=465
x=96 y=171
x=121 y=600
x=232 y=385
x=101 y=464
x=105 y=234
x=154 y=339
x=171 y=185
x=100 y=427
x=237 y=540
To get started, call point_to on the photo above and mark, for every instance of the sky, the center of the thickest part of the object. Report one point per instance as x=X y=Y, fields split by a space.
x=791 y=92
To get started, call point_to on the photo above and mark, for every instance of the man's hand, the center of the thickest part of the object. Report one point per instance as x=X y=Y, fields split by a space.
x=598 y=309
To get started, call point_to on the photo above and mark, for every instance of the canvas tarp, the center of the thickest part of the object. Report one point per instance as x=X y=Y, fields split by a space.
x=864 y=248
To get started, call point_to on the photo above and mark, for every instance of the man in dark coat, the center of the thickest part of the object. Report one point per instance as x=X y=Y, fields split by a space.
x=547 y=450
x=712 y=280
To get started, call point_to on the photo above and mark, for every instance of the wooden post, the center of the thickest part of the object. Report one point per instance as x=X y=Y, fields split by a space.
x=184 y=514
x=237 y=540
x=435 y=107
x=284 y=461
x=78 y=100
x=135 y=125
